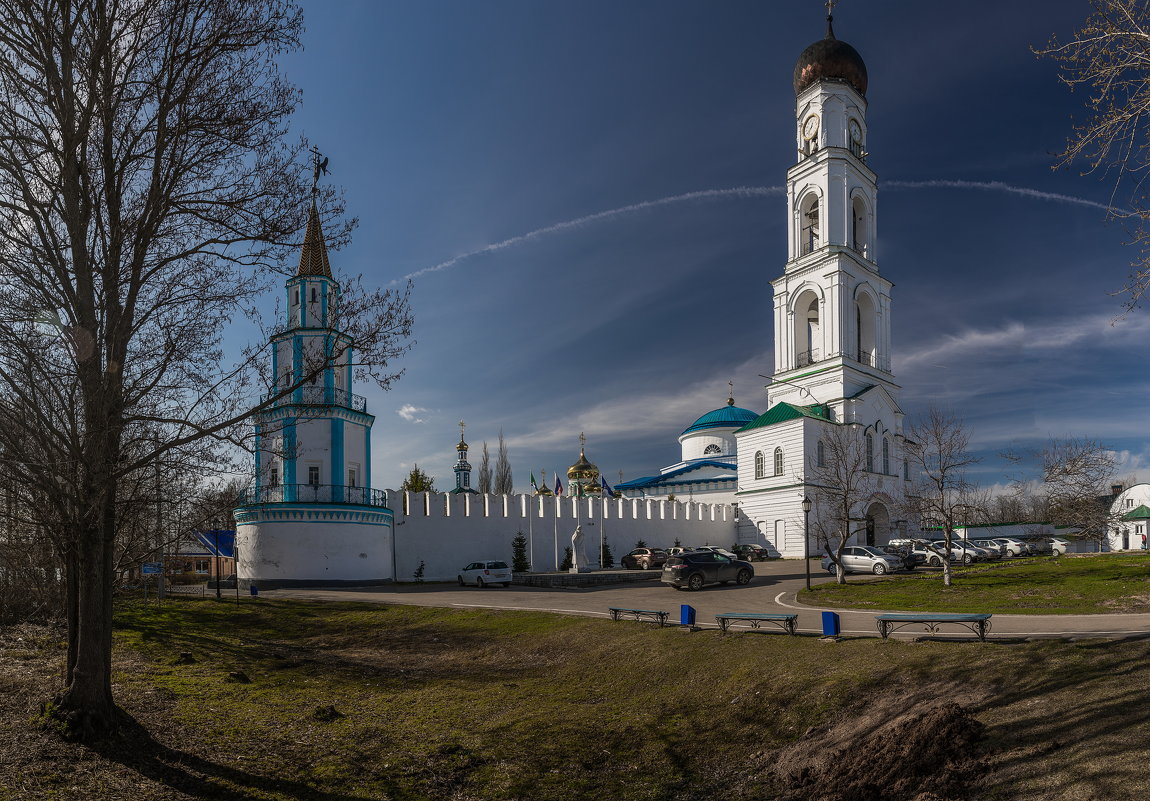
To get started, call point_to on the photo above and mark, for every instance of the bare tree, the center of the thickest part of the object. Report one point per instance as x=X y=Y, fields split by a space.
x=838 y=471
x=1076 y=477
x=1109 y=56
x=504 y=483
x=938 y=448
x=485 y=471
x=146 y=197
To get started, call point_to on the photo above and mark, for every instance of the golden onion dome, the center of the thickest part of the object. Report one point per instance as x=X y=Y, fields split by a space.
x=582 y=468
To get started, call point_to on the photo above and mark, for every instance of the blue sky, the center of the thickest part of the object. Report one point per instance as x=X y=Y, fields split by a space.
x=456 y=125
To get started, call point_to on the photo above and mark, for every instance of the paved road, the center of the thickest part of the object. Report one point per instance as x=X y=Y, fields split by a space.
x=772 y=590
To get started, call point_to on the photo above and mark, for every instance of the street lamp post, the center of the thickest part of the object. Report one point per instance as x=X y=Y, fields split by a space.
x=807 y=539
x=219 y=594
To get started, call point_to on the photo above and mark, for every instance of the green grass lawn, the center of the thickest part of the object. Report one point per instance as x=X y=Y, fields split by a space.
x=472 y=704
x=1045 y=586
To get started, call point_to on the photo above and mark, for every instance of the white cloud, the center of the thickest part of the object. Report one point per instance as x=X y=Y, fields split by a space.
x=411 y=413
x=999 y=186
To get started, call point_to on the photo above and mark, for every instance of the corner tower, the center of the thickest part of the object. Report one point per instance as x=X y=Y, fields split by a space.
x=310 y=515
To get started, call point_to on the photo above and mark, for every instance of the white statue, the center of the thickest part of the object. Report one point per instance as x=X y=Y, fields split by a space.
x=579 y=562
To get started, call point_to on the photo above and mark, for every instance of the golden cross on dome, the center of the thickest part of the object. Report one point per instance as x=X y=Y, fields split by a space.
x=582 y=441
x=831 y=6
x=462 y=425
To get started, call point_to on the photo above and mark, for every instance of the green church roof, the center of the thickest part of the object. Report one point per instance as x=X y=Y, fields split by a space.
x=781 y=412
x=1141 y=513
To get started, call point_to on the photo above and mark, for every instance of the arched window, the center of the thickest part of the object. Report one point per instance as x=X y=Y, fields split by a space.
x=711 y=450
x=778 y=461
x=809 y=225
x=808 y=339
x=821 y=454
x=865 y=330
x=859 y=226
x=760 y=465
x=885 y=456
x=869 y=453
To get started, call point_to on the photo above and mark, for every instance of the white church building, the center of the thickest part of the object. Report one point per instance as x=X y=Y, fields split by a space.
x=311 y=516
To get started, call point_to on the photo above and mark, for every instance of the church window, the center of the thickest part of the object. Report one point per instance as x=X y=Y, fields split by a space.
x=869 y=453
x=760 y=465
x=885 y=456
x=274 y=476
x=859 y=226
x=314 y=298
x=807 y=336
x=821 y=454
x=712 y=450
x=351 y=477
x=780 y=533
x=778 y=461
x=905 y=470
x=865 y=330
x=1129 y=503
x=809 y=225
x=296 y=303
x=313 y=475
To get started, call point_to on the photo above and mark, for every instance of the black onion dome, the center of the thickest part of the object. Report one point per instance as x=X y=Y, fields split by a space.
x=831 y=60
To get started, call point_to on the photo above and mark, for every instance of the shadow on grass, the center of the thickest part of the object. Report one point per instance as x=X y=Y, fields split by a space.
x=135 y=748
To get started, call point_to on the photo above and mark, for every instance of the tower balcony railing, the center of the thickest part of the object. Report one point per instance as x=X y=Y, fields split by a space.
x=319 y=396
x=873 y=360
x=806 y=358
x=313 y=493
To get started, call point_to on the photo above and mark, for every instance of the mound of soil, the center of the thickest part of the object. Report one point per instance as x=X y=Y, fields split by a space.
x=918 y=755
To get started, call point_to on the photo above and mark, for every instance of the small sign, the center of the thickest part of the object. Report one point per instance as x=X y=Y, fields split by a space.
x=152 y=568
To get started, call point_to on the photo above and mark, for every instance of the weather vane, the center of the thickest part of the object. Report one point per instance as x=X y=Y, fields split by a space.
x=319 y=166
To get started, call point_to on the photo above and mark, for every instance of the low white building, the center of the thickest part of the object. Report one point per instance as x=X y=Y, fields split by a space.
x=1131 y=512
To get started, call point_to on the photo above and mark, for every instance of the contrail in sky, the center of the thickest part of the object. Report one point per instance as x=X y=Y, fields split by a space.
x=746 y=192
x=705 y=194
x=995 y=186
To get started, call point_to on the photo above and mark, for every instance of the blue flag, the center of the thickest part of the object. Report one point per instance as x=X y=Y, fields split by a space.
x=607 y=491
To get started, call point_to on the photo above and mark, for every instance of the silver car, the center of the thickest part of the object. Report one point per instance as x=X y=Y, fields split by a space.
x=996 y=551
x=864 y=559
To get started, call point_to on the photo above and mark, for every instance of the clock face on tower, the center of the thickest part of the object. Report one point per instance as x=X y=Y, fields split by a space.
x=811 y=127
x=855 y=132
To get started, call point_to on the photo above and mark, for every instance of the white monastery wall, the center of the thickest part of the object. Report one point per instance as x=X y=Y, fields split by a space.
x=446 y=531
x=317 y=544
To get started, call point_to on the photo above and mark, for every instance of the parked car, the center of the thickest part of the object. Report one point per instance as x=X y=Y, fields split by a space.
x=1013 y=547
x=996 y=550
x=752 y=552
x=910 y=557
x=484 y=574
x=644 y=559
x=717 y=549
x=966 y=553
x=1039 y=546
x=1059 y=546
x=937 y=553
x=693 y=570
x=864 y=559
x=678 y=549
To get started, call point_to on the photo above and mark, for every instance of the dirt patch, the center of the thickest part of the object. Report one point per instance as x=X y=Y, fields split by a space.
x=927 y=753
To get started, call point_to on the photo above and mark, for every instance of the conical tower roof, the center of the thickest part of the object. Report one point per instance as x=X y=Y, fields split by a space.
x=313 y=255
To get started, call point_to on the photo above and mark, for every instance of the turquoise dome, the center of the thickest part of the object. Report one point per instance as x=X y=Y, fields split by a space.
x=729 y=416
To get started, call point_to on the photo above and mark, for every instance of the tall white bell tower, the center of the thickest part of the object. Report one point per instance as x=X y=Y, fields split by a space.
x=831 y=305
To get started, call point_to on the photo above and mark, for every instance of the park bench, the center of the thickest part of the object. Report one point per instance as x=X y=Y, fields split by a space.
x=639 y=614
x=979 y=624
x=787 y=622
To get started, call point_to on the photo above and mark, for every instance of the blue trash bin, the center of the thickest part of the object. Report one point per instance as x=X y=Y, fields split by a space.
x=830 y=624
x=254 y=590
x=686 y=615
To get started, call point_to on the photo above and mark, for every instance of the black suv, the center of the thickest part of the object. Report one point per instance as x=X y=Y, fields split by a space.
x=752 y=552
x=693 y=570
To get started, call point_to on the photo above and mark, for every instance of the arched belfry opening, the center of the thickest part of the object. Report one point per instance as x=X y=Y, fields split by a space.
x=809 y=224
x=860 y=234
x=865 y=325
x=808 y=334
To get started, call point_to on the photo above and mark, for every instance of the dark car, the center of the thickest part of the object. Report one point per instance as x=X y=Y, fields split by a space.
x=909 y=556
x=693 y=570
x=752 y=552
x=644 y=559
